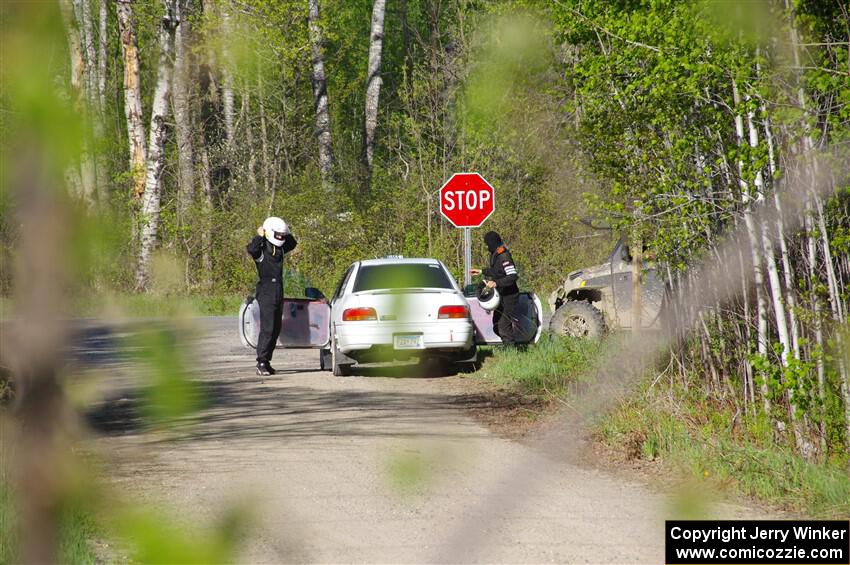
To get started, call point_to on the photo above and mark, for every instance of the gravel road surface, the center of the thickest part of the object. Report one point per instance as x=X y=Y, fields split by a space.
x=373 y=469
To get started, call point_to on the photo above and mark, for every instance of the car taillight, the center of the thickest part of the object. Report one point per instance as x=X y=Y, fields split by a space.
x=359 y=314
x=447 y=312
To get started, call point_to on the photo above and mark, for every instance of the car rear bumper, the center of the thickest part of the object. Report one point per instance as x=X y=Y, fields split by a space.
x=442 y=335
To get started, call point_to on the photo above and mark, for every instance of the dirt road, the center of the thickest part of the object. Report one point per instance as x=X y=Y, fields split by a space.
x=376 y=469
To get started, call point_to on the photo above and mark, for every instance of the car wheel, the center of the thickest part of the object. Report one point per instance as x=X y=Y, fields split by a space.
x=577 y=319
x=339 y=369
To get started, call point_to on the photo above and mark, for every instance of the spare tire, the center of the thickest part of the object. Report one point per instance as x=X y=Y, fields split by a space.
x=578 y=319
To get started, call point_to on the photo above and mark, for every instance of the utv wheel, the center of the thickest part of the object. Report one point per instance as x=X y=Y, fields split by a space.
x=339 y=369
x=577 y=319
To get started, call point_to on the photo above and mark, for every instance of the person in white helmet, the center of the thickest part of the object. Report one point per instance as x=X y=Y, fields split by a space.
x=267 y=249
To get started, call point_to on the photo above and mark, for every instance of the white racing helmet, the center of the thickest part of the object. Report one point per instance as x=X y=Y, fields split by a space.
x=276 y=230
x=489 y=298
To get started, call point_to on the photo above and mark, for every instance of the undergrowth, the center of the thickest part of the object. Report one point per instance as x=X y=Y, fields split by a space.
x=687 y=432
x=549 y=367
x=76 y=532
x=681 y=429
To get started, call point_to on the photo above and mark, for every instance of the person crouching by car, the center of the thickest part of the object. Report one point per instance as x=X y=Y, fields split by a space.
x=502 y=275
x=267 y=249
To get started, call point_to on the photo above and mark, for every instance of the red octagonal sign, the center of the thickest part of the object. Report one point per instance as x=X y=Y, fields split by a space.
x=466 y=200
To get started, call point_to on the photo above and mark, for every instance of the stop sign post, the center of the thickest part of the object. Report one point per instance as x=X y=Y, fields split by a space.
x=467 y=200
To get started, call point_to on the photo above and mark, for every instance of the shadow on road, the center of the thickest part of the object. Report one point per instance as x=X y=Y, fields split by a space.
x=276 y=411
x=286 y=405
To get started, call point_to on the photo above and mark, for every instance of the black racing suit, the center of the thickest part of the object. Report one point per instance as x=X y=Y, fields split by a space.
x=269 y=261
x=502 y=271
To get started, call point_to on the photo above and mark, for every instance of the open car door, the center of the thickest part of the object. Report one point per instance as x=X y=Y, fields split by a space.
x=305 y=323
x=529 y=323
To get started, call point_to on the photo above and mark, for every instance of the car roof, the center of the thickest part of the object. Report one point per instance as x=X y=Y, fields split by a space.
x=399 y=261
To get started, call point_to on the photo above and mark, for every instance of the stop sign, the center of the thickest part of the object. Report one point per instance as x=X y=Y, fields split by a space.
x=466 y=200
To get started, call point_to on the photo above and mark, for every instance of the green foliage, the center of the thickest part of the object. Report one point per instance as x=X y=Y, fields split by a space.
x=721 y=449
x=7 y=524
x=169 y=392
x=154 y=538
x=547 y=368
x=76 y=532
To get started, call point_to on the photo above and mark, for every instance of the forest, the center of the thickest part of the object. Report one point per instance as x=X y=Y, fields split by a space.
x=716 y=132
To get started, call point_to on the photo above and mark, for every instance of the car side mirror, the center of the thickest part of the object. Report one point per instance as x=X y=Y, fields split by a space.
x=313 y=293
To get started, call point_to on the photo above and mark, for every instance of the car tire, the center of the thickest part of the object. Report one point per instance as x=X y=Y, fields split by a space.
x=578 y=319
x=340 y=369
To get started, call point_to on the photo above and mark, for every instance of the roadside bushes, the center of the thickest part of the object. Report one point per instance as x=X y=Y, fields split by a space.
x=552 y=367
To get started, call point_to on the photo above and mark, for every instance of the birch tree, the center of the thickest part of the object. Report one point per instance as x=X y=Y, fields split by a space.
x=132 y=96
x=78 y=28
x=373 y=85
x=150 y=211
x=754 y=238
x=73 y=175
x=103 y=40
x=227 y=72
x=183 y=119
x=320 y=96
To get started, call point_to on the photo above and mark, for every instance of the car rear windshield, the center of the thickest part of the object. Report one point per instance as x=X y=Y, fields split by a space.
x=407 y=275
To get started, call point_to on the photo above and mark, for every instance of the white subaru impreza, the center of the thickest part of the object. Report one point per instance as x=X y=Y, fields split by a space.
x=395 y=309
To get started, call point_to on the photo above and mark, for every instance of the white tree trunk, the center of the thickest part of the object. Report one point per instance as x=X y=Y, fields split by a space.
x=132 y=95
x=207 y=203
x=373 y=83
x=90 y=59
x=787 y=267
x=73 y=173
x=755 y=249
x=93 y=165
x=320 y=97
x=832 y=281
x=636 y=247
x=74 y=45
x=227 y=73
x=156 y=151
x=183 y=110
x=770 y=258
x=83 y=183
x=103 y=39
x=811 y=251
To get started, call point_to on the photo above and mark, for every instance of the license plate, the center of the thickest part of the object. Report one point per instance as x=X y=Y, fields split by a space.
x=407 y=342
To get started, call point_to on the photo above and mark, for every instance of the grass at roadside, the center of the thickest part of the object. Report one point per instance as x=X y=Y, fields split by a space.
x=686 y=432
x=680 y=430
x=7 y=525
x=76 y=534
x=547 y=368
